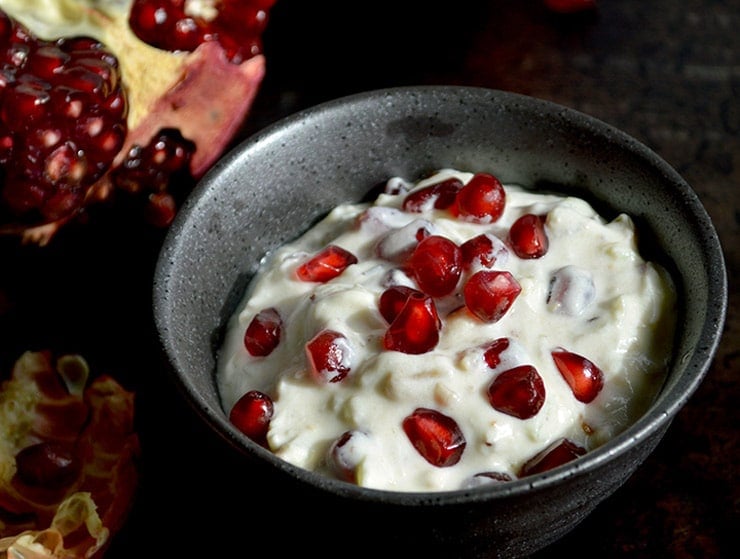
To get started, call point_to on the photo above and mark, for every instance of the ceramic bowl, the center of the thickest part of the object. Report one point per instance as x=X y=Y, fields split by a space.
x=274 y=185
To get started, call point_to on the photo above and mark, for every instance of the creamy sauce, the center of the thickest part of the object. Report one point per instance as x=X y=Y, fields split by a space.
x=591 y=293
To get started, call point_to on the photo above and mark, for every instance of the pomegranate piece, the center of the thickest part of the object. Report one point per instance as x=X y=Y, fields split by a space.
x=440 y=196
x=49 y=464
x=415 y=329
x=492 y=351
x=62 y=121
x=556 y=454
x=572 y=290
x=329 y=356
x=490 y=293
x=393 y=299
x=437 y=437
x=436 y=265
x=252 y=414
x=237 y=25
x=481 y=200
x=346 y=453
x=519 y=392
x=325 y=265
x=584 y=378
x=528 y=238
x=482 y=251
x=263 y=332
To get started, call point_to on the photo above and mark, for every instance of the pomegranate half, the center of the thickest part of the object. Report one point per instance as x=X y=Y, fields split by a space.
x=99 y=96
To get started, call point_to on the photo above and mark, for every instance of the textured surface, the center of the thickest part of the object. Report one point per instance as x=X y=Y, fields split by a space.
x=666 y=72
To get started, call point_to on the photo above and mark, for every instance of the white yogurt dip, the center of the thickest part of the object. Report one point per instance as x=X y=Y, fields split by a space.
x=591 y=293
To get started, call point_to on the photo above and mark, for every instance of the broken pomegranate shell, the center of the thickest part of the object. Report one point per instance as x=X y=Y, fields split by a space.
x=120 y=80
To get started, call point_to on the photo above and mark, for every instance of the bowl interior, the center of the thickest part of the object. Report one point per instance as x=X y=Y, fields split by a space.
x=276 y=184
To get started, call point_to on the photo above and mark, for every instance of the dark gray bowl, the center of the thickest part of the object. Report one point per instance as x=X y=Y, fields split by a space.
x=276 y=184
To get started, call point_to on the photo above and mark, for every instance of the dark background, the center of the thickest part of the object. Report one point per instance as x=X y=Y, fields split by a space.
x=664 y=71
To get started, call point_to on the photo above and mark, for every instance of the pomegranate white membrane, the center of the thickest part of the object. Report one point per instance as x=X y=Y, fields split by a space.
x=454 y=332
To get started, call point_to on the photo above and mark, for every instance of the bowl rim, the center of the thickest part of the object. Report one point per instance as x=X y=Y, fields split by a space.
x=656 y=419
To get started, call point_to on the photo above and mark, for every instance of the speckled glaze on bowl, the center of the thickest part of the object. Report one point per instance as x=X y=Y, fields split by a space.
x=276 y=184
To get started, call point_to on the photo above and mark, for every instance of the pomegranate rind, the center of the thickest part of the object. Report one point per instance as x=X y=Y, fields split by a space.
x=42 y=402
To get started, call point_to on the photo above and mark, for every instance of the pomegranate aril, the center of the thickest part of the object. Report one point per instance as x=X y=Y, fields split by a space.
x=252 y=414
x=528 y=238
x=436 y=436
x=393 y=299
x=329 y=356
x=436 y=265
x=263 y=332
x=583 y=376
x=490 y=294
x=481 y=200
x=346 y=453
x=438 y=196
x=519 y=392
x=50 y=465
x=415 y=329
x=572 y=291
x=325 y=265
x=492 y=351
x=482 y=251
x=557 y=453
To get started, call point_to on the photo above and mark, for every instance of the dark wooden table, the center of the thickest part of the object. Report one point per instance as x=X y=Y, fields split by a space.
x=665 y=71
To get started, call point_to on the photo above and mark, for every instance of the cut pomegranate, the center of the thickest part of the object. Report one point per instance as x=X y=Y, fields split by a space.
x=492 y=351
x=481 y=200
x=393 y=299
x=345 y=454
x=62 y=120
x=176 y=25
x=436 y=265
x=263 y=332
x=519 y=392
x=325 y=265
x=252 y=414
x=482 y=251
x=490 y=294
x=416 y=328
x=557 y=453
x=83 y=116
x=528 y=238
x=440 y=196
x=584 y=378
x=437 y=437
x=329 y=356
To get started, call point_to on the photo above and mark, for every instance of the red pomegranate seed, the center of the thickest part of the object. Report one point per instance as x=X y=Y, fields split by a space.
x=557 y=453
x=263 y=333
x=440 y=196
x=481 y=200
x=50 y=464
x=490 y=293
x=584 y=378
x=327 y=264
x=436 y=265
x=393 y=299
x=415 y=329
x=519 y=392
x=437 y=437
x=483 y=250
x=492 y=351
x=329 y=356
x=252 y=414
x=528 y=238
x=344 y=455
